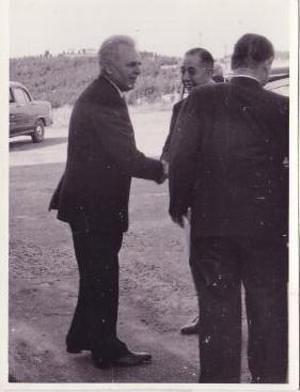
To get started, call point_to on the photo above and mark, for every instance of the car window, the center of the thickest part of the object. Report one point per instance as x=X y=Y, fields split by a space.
x=21 y=96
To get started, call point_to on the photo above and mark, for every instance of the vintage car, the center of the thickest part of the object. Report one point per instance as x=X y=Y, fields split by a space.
x=279 y=86
x=27 y=116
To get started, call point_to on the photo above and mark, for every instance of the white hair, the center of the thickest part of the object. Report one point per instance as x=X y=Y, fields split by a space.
x=109 y=49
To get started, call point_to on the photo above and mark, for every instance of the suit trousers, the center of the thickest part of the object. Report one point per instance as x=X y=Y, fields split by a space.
x=219 y=266
x=94 y=324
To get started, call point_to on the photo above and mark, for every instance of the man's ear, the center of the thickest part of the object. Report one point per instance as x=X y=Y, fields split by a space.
x=267 y=64
x=265 y=69
x=107 y=68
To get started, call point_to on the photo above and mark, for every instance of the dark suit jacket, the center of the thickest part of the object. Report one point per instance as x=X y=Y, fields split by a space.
x=227 y=160
x=102 y=157
x=175 y=112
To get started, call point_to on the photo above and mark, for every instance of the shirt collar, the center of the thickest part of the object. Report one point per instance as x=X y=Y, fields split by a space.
x=245 y=76
x=122 y=94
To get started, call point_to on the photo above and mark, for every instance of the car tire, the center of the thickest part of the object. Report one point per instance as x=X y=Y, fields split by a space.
x=39 y=132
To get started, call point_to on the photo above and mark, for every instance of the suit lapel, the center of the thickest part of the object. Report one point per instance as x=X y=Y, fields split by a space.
x=118 y=103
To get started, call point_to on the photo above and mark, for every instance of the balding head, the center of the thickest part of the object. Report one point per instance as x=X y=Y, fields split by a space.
x=119 y=61
x=109 y=50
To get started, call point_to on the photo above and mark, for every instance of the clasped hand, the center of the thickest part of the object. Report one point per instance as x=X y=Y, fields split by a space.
x=165 y=165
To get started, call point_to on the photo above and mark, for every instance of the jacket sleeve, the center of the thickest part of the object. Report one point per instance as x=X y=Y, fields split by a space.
x=184 y=147
x=115 y=135
x=54 y=202
x=165 y=155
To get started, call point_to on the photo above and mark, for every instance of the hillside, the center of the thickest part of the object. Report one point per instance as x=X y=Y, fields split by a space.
x=60 y=79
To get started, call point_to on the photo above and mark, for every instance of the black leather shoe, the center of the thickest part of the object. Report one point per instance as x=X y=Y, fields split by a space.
x=101 y=363
x=128 y=358
x=132 y=359
x=191 y=329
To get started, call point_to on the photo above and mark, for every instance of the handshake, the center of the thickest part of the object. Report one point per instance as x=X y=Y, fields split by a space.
x=165 y=174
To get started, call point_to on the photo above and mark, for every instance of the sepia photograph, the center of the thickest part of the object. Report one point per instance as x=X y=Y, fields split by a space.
x=149 y=219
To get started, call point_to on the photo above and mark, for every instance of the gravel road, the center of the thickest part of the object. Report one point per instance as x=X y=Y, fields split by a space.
x=157 y=294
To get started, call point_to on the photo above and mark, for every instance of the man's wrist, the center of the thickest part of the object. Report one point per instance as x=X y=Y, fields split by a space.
x=165 y=171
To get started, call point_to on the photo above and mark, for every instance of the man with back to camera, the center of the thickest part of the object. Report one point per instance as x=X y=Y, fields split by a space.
x=226 y=163
x=93 y=195
x=197 y=70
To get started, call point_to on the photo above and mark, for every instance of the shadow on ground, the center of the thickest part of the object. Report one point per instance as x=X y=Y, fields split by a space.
x=25 y=145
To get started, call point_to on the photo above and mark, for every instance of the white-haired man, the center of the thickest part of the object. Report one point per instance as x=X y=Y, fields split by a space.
x=93 y=195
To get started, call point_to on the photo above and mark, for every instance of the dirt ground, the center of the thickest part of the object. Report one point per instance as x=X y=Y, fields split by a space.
x=157 y=295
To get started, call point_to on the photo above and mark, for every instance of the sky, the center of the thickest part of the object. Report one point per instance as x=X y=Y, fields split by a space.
x=167 y=27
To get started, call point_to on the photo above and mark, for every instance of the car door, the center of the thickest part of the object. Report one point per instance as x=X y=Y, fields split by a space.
x=20 y=116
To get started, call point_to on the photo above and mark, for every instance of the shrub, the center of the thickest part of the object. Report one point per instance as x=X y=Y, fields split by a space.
x=60 y=79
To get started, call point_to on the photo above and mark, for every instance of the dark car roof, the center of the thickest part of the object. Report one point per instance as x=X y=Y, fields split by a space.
x=279 y=73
